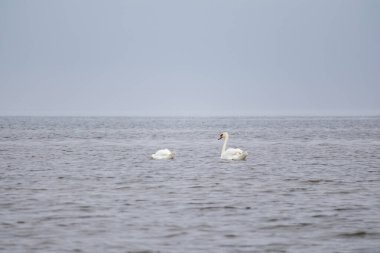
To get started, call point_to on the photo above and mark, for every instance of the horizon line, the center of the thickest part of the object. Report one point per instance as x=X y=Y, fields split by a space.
x=192 y=115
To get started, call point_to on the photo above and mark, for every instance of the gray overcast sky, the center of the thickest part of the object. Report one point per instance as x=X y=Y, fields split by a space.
x=198 y=57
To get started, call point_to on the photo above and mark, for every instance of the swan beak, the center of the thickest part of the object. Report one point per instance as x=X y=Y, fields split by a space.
x=220 y=137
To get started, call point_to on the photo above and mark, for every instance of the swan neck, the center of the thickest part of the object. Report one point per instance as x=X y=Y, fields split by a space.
x=224 y=146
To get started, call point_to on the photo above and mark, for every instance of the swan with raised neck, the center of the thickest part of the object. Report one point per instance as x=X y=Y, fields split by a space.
x=231 y=153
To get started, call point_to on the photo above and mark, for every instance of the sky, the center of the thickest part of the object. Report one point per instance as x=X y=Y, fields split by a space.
x=189 y=58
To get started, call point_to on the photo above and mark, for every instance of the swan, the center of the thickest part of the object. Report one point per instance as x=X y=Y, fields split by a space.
x=163 y=154
x=231 y=153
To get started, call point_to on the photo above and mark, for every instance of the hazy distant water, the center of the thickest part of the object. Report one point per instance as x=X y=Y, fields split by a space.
x=88 y=185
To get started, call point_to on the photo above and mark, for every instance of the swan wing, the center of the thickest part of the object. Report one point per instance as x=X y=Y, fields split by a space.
x=235 y=154
x=163 y=154
x=233 y=151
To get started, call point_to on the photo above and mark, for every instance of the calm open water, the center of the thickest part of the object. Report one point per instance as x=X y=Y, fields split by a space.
x=72 y=184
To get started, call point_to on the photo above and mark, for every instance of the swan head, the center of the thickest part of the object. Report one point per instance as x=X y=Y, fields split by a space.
x=223 y=136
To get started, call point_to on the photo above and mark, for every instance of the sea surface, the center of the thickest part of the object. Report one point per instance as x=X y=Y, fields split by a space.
x=87 y=184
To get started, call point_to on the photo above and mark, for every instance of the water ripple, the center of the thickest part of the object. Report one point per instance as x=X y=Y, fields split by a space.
x=88 y=185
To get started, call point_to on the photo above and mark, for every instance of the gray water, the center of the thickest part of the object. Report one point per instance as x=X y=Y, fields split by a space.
x=309 y=184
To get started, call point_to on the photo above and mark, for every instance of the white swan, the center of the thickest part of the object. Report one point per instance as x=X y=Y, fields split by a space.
x=231 y=153
x=163 y=154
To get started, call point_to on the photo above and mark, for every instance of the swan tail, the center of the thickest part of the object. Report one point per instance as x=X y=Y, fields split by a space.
x=244 y=155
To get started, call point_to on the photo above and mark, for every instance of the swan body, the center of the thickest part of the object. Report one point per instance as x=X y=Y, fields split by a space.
x=231 y=153
x=163 y=154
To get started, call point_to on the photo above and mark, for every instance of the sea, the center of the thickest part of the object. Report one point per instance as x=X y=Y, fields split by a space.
x=88 y=184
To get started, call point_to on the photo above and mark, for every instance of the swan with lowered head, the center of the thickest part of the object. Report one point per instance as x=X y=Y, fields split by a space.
x=163 y=154
x=231 y=153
